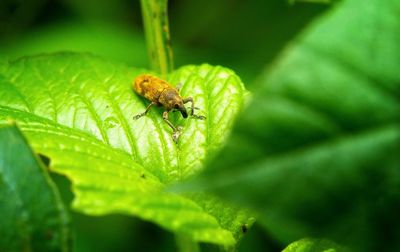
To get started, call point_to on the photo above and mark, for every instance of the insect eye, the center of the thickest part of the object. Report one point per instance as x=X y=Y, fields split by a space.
x=176 y=106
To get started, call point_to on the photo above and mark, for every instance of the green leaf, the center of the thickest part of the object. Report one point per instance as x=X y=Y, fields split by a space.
x=32 y=215
x=313 y=245
x=77 y=109
x=317 y=151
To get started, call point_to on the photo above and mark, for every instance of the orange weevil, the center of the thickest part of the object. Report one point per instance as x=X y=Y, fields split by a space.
x=161 y=93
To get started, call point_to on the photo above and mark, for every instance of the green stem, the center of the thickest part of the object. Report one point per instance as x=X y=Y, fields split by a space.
x=155 y=19
x=186 y=244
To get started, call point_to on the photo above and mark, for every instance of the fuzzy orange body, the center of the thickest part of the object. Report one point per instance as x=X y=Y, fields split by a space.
x=158 y=91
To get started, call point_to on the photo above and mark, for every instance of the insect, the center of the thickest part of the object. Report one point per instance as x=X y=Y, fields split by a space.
x=161 y=93
x=244 y=228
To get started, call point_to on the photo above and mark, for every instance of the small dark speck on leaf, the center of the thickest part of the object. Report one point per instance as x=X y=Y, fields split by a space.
x=49 y=235
x=46 y=160
x=143 y=176
x=165 y=28
x=168 y=41
x=244 y=228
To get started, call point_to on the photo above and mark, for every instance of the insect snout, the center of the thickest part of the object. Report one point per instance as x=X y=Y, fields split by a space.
x=182 y=109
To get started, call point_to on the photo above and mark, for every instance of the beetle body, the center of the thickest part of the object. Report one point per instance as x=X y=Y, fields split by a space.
x=161 y=93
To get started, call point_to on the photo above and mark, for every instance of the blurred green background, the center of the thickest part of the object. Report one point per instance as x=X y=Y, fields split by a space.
x=242 y=35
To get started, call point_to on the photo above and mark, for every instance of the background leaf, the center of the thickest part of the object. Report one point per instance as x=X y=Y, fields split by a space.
x=32 y=215
x=313 y=245
x=316 y=153
x=108 y=40
x=79 y=113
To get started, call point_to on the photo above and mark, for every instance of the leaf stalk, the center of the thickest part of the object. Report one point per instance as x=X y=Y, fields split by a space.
x=155 y=20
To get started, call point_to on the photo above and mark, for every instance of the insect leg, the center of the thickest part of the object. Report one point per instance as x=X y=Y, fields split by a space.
x=190 y=99
x=145 y=112
x=165 y=117
x=179 y=86
x=177 y=130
